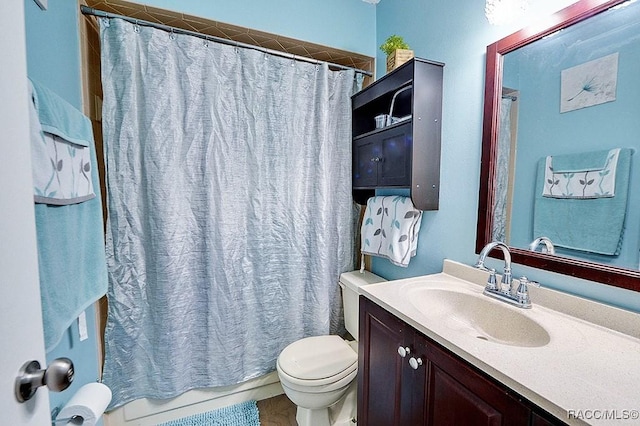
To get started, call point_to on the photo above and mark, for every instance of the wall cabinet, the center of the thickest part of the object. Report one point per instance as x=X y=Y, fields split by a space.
x=403 y=150
x=405 y=378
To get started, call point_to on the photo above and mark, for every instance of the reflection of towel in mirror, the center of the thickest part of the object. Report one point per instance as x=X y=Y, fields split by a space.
x=390 y=229
x=585 y=175
x=589 y=224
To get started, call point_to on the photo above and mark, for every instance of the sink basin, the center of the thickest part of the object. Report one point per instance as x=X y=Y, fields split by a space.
x=478 y=316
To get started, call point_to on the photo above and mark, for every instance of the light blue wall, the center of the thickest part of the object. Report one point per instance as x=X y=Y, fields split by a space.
x=53 y=48
x=53 y=59
x=457 y=34
x=342 y=24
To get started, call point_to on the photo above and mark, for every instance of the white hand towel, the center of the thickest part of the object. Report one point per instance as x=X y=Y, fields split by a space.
x=390 y=229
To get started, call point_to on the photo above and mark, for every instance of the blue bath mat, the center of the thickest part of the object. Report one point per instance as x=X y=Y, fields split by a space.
x=243 y=414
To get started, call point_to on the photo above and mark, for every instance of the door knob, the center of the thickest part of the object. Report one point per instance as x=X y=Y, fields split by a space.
x=57 y=377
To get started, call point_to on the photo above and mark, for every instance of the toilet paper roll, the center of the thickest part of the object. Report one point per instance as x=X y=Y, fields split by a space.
x=87 y=405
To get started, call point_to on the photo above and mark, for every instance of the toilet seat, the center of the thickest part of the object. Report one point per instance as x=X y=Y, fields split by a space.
x=318 y=361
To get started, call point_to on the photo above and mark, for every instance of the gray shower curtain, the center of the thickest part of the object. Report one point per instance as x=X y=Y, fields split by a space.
x=230 y=214
x=500 y=225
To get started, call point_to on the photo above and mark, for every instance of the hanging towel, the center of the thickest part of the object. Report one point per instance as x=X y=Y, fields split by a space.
x=390 y=229
x=585 y=175
x=71 y=253
x=60 y=137
x=594 y=225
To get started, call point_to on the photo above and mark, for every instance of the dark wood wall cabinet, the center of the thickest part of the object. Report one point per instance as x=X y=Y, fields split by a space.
x=396 y=133
x=405 y=378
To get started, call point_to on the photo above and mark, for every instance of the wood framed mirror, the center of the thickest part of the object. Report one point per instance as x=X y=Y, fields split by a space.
x=584 y=14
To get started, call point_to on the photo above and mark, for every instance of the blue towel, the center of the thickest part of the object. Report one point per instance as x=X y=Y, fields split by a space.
x=594 y=225
x=60 y=118
x=584 y=175
x=71 y=254
x=594 y=160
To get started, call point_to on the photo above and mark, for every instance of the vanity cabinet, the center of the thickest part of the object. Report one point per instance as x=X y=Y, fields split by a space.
x=403 y=149
x=429 y=385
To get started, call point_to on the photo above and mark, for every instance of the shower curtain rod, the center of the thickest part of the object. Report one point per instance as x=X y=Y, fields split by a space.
x=102 y=14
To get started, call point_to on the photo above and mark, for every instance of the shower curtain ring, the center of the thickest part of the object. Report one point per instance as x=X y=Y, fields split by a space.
x=172 y=36
x=136 y=26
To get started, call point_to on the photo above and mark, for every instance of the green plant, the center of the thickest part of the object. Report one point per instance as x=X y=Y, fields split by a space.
x=393 y=43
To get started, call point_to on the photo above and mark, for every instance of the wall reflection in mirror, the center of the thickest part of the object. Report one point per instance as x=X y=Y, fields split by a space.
x=569 y=125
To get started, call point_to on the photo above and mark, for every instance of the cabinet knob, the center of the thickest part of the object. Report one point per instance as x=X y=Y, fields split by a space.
x=404 y=351
x=376 y=159
x=415 y=362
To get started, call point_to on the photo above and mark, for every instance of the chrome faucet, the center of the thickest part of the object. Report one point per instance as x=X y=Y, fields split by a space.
x=520 y=297
x=547 y=244
x=505 y=284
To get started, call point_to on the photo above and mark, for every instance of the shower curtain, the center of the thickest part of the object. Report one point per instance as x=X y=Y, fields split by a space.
x=230 y=214
x=499 y=229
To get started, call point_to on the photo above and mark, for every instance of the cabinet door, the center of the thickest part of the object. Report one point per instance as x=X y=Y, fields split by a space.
x=383 y=159
x=457 y=394
x=381 y=368
x=366 y=157
x=394 y=169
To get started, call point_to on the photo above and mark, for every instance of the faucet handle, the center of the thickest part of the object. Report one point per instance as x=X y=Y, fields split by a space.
x=491 y=281
x=526 y=281
x=523 y=290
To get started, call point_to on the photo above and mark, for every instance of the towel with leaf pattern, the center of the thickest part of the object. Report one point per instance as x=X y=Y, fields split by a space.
x=390 y=229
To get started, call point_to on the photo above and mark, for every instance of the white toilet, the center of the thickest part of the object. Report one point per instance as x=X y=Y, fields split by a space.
x=317 y=373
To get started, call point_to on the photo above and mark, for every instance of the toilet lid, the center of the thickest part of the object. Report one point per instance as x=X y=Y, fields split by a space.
x=318 y=357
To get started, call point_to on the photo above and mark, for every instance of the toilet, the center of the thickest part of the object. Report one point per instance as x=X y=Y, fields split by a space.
x=318 y=373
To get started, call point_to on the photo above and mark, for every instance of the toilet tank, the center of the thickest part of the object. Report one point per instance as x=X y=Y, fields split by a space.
x=350 y=282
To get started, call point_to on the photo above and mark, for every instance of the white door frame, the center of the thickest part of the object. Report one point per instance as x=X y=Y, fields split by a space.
x=21 y=335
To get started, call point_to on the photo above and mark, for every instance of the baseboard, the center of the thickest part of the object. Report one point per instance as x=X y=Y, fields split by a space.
x=148 y=412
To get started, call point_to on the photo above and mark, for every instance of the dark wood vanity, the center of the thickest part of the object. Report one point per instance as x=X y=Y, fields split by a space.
x=442 y=390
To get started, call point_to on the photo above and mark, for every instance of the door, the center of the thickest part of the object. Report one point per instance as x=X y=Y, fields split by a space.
x=457 y=394
x=366 y=156
x=21 y=336
x=382 y=371
x=394 y=169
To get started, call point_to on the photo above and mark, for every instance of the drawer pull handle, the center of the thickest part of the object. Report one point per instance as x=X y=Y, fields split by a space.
x=404 y=351
x=415 y=362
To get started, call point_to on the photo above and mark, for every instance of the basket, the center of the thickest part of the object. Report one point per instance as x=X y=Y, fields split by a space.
x=398 y=57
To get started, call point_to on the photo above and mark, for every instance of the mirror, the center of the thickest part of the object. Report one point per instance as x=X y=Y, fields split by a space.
x=567 y=92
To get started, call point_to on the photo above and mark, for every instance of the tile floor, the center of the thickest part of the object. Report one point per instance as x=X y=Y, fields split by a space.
x=277 y=411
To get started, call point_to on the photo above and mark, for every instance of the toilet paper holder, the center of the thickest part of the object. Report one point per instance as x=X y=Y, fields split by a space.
x=73 y=420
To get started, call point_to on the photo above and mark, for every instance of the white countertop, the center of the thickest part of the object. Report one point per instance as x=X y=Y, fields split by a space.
x=588 y=373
